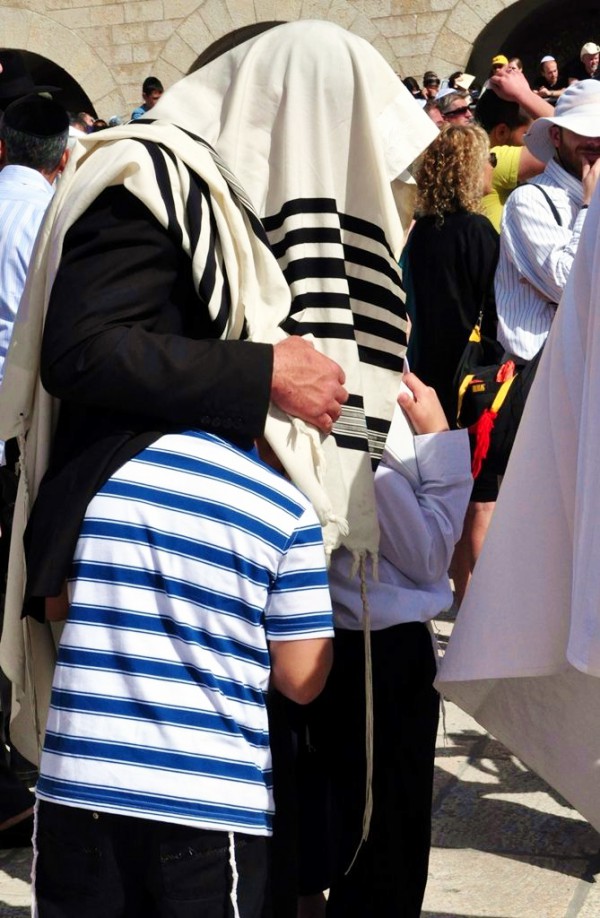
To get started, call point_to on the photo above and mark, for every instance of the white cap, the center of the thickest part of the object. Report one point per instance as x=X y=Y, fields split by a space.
x=578 y=110
x=547 y=58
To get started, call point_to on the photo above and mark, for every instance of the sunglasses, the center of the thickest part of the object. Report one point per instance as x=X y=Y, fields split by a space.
x=493 y=160
x=457 y=111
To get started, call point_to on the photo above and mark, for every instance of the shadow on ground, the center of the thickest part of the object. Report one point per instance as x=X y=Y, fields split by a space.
x=492 y=803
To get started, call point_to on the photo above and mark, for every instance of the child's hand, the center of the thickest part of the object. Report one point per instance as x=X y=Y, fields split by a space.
x=424 y=410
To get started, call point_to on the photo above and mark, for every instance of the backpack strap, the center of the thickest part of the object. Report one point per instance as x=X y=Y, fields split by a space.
x=551 y=203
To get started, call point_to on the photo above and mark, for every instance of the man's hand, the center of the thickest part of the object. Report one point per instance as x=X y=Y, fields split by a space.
x=424 y=410
x=589 y=179
x=512 y=86
x=307 y=384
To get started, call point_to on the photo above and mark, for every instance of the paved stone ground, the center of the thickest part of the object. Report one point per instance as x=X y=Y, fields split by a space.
x=505 y=845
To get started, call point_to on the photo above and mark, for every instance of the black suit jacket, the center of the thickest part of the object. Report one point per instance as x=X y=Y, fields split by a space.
x=127 y=349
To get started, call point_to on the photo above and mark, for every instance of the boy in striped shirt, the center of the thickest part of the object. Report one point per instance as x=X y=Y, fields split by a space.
x=198 y=580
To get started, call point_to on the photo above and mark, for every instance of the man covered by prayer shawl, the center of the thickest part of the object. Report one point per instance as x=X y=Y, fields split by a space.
x=313 y=112
x=524 y=657
x=313 y=123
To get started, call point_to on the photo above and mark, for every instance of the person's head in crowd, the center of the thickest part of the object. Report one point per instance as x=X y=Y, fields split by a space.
x=99 y=125
x=516 y=62
x=34 y=133
x=431 y=84
x=77 y=122
x=434 y=113
x=15 y=79
x=453 y=77
x=590 y=56
x=455 y=108
x=549 y=70
x=87 y=119
x=505 y=122
x=152 y=90
x=572 y=134
x=455 y=171
x=413 y=87
x=498 y=61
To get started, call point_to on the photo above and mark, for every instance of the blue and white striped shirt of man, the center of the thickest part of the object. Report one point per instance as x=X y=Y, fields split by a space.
x=536 y=255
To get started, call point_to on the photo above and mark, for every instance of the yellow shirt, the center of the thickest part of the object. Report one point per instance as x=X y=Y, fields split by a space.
x=504 y=180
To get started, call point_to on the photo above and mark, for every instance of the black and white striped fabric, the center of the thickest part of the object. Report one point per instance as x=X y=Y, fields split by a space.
x=316 y=127
x=345 y=288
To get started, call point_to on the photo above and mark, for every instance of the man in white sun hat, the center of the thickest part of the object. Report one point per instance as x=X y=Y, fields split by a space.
x=543 y=220
x=588 y=68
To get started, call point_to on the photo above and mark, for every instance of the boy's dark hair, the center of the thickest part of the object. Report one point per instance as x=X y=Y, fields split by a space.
x=150 y=84
x=491 y=111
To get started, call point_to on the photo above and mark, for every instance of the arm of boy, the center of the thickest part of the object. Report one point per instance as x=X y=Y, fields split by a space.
x=299 y=669
x=421 y=518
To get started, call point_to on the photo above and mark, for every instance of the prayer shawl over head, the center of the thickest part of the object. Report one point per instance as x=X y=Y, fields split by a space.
x=318 y=126
x=524 y=658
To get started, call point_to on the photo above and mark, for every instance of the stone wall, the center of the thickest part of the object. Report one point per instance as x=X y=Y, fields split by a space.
x=109 y=47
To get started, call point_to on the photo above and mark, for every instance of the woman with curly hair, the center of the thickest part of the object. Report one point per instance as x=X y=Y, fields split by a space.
x=448 y=270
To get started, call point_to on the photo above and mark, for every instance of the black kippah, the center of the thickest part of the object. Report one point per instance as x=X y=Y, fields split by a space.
x=37 y=116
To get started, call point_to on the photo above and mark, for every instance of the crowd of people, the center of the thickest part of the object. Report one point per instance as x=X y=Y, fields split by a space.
x=234 y=473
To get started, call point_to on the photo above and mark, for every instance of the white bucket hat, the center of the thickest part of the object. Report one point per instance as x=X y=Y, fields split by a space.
x=590 y=47
x=578 y=110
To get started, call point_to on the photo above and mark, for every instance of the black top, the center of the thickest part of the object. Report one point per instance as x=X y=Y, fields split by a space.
x=450 y=279
x=127 y=349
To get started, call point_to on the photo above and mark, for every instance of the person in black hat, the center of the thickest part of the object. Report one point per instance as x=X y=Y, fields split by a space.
x=15 y=79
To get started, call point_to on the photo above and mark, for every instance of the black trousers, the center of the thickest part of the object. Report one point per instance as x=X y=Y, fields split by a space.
x=99 y=865
x=389 y=874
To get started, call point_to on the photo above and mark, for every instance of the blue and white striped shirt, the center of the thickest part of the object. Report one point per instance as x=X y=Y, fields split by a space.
x=190 y=558
x=536 y=255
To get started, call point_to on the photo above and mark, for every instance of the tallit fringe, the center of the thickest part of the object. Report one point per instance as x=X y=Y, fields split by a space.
x=234 y=876
x=300 y=428
x=34 y=908
x=360 y=561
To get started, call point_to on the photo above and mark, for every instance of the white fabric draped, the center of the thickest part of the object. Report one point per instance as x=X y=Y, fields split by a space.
x=524 y=658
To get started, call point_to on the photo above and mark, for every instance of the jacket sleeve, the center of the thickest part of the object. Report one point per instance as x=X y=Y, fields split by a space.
x=126 y=330
x=421 y=523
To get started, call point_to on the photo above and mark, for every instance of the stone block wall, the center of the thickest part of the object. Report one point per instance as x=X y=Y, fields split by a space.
x=110 y=47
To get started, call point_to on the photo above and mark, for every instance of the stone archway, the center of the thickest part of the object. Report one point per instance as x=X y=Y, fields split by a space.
x=50 y=43
x=214 y=19
x=531 y=28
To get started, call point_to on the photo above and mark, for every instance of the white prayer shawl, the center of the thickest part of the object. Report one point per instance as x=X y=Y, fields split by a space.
x=524 y=658
x=316 y=126
x=304 y=111
x=259 y=297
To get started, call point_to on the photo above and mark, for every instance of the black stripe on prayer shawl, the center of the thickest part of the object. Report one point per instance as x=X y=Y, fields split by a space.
x=319 y=299
x=236 y=191
x=198 y=200
x=198 y=191
x=349 y=429
x=299 y=236
x=156 y=153
x=300 y=206
x=363 y=228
